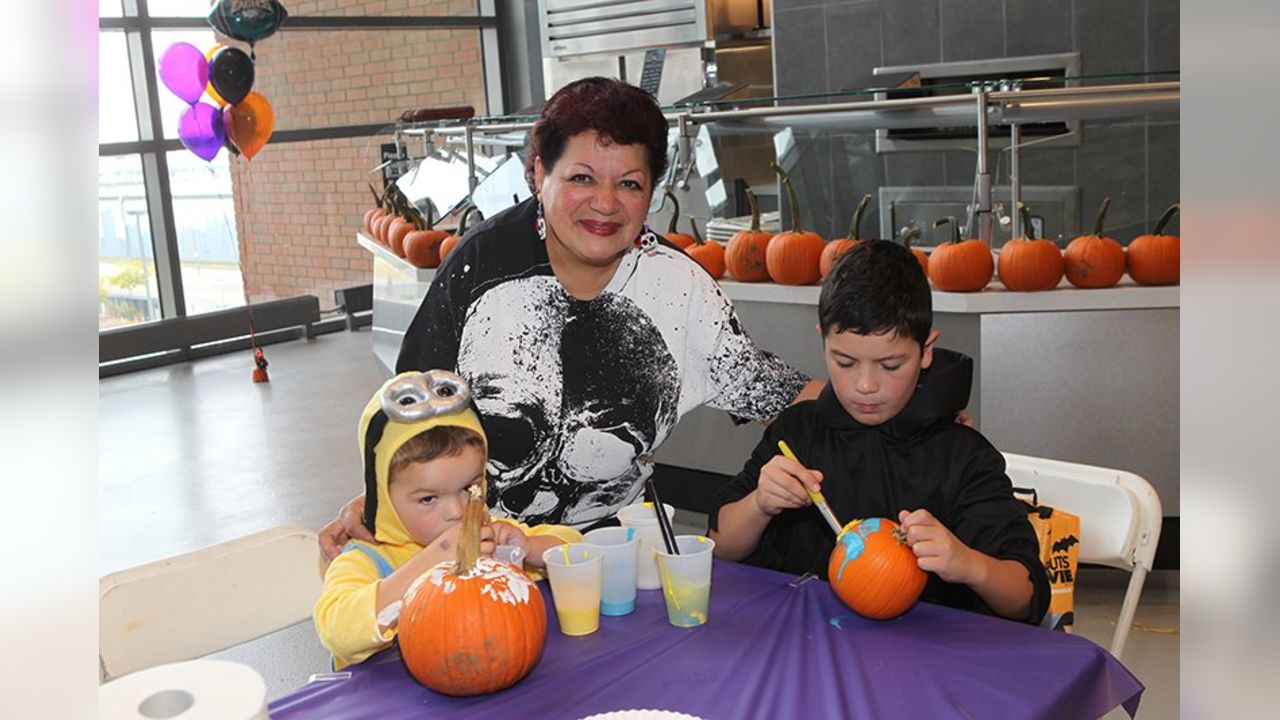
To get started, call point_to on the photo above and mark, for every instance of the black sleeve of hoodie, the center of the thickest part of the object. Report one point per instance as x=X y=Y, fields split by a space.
x=987 y=518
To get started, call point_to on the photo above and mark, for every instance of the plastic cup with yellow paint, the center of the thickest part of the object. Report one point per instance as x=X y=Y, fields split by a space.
x=575 y=573
x=621 y=547
x=686 y=579
x=642 y=517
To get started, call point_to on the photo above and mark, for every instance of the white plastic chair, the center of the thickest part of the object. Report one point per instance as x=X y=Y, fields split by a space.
x=1120 y=518
x=207 y=600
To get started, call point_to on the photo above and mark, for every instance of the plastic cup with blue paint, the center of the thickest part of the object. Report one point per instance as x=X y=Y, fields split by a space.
x=575 y=572
x=686 y=579
x=621 y=548
x=642 y=517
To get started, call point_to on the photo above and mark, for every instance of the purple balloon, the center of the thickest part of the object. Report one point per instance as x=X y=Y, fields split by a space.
x=201 y=130
x=184 y=71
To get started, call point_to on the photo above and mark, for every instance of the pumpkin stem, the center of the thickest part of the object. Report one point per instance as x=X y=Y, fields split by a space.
x=909 y=233
x=755 y=210
x=431 y=216
x=899 y=535
x=675 y=211
x=462 y=224
x=1102 y=214
x=473 y=519
x=697 y=236
x=856 y=223
x=955 y=227
x=1026 y=220
x=797 y=222
x=1165 y=218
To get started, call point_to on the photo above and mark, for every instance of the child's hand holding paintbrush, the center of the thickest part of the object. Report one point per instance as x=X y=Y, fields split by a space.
x=787 y=484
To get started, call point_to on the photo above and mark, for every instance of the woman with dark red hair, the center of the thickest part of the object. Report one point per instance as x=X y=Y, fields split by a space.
x=585 y=335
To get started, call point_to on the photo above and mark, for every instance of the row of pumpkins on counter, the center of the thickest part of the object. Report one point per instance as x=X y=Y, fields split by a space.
x=800 y=257
x=397 y=225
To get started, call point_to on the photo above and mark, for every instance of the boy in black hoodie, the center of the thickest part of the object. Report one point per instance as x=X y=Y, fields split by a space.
x=881 y=441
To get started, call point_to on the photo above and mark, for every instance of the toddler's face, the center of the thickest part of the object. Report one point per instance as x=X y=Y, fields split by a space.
x=430 y=496
x=875 y=375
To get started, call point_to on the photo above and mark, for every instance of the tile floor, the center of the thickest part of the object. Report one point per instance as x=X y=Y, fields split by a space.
x=194 y=454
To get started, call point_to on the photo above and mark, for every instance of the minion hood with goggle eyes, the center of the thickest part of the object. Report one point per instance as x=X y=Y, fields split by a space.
x=406 y=405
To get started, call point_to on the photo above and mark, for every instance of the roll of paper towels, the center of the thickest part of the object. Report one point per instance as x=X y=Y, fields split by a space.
x=195 y=690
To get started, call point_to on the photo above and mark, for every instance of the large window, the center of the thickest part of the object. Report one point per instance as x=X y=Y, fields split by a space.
x=179 y=236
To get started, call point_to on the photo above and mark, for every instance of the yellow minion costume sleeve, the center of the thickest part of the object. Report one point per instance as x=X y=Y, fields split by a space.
x=406 y=405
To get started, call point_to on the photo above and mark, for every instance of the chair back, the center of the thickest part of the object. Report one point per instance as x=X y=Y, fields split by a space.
x=1120 y=518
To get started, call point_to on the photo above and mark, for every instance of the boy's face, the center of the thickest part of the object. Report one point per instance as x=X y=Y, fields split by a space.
x=874 y=376
x=430 y=496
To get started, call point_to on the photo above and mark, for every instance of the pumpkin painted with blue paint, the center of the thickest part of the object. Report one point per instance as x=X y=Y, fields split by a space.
x=873 y=571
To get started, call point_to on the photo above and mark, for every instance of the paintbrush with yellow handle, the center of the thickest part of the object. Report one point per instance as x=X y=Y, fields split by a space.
x=816 y=495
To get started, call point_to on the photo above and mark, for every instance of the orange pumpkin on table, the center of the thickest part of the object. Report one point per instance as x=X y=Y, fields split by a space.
x=1154 y=259
x=422 y=246
x=835 y=248
x=373 y=214
x=1094 y=260
x=873 y=571
x=745 y=256
x=473 y=626
x=793 y=256
x=397 y=231
x=909 y=234
x=707 y=253
x=447 y=245
x=679 y=239
x=1028 y=264
x=960 y=265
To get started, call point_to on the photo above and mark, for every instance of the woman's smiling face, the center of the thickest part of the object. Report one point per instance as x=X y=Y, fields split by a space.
x=594 y=200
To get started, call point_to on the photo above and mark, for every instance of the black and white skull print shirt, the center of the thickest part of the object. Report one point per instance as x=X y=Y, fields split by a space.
x=575 y=395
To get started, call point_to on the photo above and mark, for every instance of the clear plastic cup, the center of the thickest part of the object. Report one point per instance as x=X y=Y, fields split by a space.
x=642 y=517
x=621 y=547
x=686 y=579
x=575 y=573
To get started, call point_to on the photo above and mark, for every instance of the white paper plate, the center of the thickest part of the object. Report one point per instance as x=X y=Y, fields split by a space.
x=642 y=715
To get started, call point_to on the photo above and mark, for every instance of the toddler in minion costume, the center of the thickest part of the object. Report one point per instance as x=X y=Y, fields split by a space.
x=424 y=451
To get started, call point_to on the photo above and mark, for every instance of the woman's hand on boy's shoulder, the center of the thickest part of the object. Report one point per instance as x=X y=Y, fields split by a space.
x=936 y=548
x=349 y=526
x=782 y=485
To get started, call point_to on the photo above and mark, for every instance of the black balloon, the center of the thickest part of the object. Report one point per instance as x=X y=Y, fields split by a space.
x=247 y=20
x=231 y=74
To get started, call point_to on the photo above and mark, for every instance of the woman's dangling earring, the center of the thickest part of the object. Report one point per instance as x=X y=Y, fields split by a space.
x=541 y=224
x=648 y=240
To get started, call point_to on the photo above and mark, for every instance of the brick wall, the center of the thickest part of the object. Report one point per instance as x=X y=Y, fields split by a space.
x=298 y=205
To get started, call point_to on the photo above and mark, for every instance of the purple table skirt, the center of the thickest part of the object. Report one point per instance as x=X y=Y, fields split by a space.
x=770 y=649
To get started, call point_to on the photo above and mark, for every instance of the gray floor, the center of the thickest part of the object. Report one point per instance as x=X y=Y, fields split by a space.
x=194 y=454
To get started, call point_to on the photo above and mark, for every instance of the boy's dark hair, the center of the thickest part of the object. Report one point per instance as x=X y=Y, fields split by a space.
x=877 y=287
x=439 y=441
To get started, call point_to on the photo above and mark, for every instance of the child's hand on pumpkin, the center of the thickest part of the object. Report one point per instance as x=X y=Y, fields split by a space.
x=937 y=550
x=782 y=485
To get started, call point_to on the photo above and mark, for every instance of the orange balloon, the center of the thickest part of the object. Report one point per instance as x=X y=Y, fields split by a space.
x=249 y=123
x=208 y=87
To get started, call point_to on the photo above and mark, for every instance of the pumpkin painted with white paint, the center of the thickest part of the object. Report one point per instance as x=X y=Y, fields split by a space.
x=472 y=633
x=873 y=571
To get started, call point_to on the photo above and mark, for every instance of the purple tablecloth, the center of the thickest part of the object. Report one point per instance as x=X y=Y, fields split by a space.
x=770 y=649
